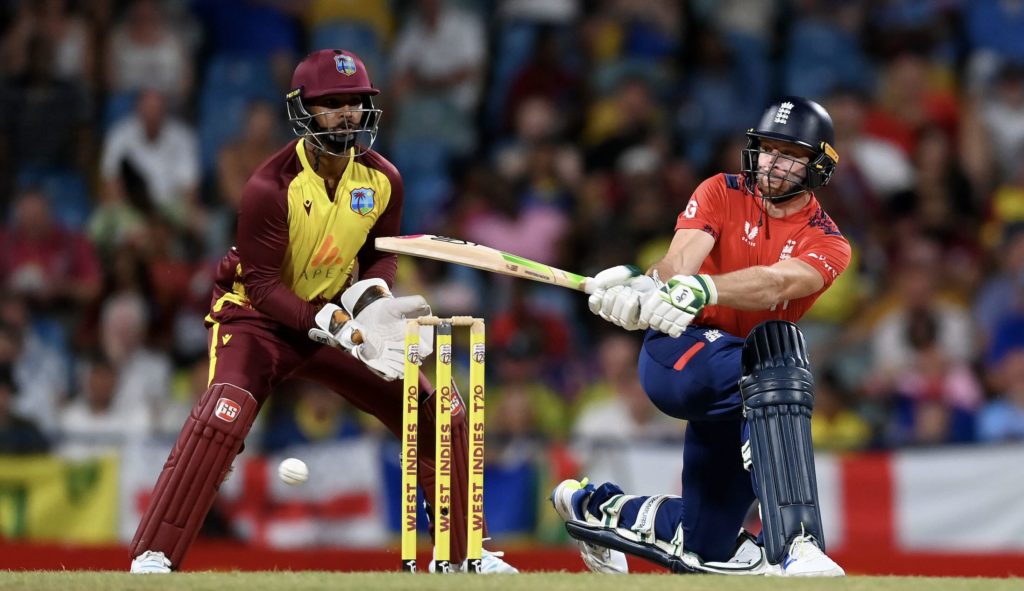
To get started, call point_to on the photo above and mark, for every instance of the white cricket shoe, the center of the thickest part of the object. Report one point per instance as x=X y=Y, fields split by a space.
x=491 y=563
x=597 y=558
x=805 y=559
x=748 y=559
x=151 y=563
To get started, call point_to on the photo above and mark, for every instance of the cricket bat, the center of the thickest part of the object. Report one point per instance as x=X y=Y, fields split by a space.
x=478 y=256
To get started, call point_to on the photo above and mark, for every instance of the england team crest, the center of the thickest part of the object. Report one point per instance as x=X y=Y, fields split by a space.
x=345 y=64
x=361 y=201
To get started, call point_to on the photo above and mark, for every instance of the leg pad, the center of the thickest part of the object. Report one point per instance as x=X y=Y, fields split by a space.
x=199 y=461
x=778 y=396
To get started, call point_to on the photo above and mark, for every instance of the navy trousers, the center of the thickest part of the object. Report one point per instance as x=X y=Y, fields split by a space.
x=696 y=377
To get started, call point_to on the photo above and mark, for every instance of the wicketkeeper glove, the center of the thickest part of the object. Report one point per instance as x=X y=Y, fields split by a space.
x=381 y=320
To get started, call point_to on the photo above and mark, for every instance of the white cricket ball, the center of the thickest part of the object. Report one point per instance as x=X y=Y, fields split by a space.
x=293 y=471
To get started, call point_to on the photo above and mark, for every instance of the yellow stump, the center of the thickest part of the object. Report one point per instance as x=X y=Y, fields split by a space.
x=443 y=450
x=475 y=516
x=410 y=436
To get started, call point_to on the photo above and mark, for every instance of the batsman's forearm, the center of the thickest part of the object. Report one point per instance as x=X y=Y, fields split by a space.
x=753 y=288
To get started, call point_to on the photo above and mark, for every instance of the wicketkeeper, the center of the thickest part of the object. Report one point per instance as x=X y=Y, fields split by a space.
x=282 y=306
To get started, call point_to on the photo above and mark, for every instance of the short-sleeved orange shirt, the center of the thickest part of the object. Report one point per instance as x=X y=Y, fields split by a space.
x=745 y=236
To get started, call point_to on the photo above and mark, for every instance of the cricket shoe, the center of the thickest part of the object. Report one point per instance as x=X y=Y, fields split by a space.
x=491 y=563
x=805 y=559
x=568 y=499
x=150 y=563
x=747 y=559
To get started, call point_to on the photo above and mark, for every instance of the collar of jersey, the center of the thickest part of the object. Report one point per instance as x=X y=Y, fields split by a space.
x=802 y=214
x=300 y=149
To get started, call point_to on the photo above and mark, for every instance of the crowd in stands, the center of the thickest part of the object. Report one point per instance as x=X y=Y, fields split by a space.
x=567 y=131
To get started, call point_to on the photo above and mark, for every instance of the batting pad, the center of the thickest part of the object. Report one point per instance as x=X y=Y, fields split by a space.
x=778 y=396
x=199 y=461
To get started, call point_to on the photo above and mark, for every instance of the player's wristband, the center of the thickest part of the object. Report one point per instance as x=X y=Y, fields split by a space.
x=710 y=290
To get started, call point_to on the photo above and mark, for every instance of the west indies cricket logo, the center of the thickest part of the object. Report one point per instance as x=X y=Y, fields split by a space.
x=361 y=200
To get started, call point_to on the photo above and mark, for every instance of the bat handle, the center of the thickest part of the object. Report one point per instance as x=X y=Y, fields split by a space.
x=587 y=285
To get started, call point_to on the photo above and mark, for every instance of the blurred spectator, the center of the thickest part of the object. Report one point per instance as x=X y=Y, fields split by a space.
x=146 y=52
x=717 y=97
x=161 y=150
x=73 y=56
x=873 y=168
x=49 y=264
x=822 y=50
x=630 y=117
x=317 y=416
x=17 y=435
x=38 y=373
x=546 y=75
x=44 y=118
x=1002 y=419
x=377 y=15
x=1002 y=293
x=440 y=51
x=524 y=407
x=834 y=425
x=143 y=374
x=615 y=409
x=189 y=384
x=936 y=395
x=92 y=424
x=992 y=146
x=260 y=137
x=501 y=219
x=907 y=101
x=915 y=293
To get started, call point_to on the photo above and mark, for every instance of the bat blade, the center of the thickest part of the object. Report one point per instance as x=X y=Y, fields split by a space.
x=478 y=256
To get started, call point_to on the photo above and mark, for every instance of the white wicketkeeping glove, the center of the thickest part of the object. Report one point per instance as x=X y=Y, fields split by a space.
x=335 y=328
x=381 y=320
x=673 y=305
x=618 y=294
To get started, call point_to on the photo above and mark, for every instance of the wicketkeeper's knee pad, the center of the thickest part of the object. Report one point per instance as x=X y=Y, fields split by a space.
x=778 y=396
x=198 y=462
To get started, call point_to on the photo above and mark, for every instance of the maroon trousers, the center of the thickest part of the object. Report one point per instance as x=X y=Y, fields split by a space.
x=246 y=363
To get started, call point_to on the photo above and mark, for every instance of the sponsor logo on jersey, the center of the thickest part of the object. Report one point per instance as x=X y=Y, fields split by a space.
x=224 y=339
x=750 y=232
x=345 y=64
x=361 y=200
x=712 y=335
x=328 y=254
x=787 y=250
x=227 y=410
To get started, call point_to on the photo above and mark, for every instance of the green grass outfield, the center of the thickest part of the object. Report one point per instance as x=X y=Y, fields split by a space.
x=282 y=581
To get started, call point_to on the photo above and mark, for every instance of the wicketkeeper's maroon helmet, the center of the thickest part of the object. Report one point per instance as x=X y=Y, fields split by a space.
x=327 y=72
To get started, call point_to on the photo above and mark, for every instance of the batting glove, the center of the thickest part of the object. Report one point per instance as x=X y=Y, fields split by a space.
x=673 y=305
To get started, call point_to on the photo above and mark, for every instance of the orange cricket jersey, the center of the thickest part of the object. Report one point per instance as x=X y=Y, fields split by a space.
x=745 y=236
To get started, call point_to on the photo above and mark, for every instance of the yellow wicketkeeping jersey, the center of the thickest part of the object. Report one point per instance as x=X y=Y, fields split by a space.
x=326 y=232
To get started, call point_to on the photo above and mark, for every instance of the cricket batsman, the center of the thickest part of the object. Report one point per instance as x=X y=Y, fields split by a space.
x=284 y=305
x=750 y=255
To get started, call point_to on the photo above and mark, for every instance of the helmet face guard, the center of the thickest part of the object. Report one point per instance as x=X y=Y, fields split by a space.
x=800 y=122
x=338 y=141
x=817 y=172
